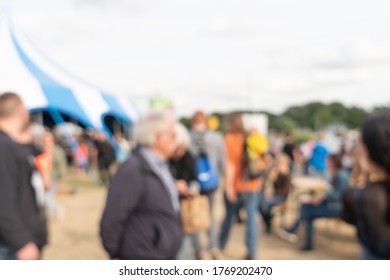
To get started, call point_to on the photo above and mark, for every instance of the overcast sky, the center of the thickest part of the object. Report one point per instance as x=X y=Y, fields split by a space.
x=219 y=54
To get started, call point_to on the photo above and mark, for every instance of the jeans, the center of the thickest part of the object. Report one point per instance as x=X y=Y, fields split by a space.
x=189 y=240
x=50 y=199
x=250 y=202
x=6 y=253
x=292 y=167
x=266 y=206
x=368 y=255
x=308 y=214
x=212 y=232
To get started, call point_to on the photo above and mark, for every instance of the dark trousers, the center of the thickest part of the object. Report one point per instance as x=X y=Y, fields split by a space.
x=266 y=206
x=104 y=172
x=308 y=214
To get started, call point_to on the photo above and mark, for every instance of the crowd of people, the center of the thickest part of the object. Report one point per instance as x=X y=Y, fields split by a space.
x=168 y=165
x=244 y=165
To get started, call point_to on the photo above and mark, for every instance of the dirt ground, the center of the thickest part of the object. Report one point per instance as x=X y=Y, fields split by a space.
x=76 y=237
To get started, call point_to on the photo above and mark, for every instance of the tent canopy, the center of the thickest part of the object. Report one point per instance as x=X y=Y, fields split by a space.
x=44 y=86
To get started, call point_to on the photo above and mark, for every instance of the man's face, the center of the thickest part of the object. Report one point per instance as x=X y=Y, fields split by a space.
x=201 y=126
x=26 y=135
x=165 y=141
x=21 y=118
x=179 y=152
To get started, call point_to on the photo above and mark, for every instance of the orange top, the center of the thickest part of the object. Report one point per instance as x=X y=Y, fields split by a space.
x=43 y=163
x=234 y=143
x=84 y=149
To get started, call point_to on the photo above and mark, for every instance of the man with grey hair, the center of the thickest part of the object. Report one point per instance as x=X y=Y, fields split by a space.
x=141 y=219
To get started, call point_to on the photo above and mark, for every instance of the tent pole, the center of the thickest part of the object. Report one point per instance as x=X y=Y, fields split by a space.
x=116 y=127
x=40 y=118
x=56 y=116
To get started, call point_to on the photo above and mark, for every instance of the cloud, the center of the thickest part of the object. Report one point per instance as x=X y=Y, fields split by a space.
x=356 y=54
x=200 y=52
x=228 y=26
x=127 y=6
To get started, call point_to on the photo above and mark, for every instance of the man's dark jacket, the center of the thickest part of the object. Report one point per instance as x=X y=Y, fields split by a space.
x=21 y=220
x=139 y=221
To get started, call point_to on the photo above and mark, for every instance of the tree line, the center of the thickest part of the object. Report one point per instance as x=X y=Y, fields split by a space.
x=313 y=116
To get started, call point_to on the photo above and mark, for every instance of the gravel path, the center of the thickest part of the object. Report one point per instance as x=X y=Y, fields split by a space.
x=76 y=237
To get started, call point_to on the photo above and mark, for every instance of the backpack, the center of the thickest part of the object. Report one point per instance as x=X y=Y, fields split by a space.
x=252 y=162
x=206 y=175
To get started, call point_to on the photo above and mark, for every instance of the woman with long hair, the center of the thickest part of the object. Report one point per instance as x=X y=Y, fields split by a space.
x=369 y=208
x=239 y=189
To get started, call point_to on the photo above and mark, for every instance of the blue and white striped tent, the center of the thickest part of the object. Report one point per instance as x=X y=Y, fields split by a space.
x=44 y=86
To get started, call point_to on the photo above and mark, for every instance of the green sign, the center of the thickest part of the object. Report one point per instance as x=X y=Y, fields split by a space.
x=159 y=103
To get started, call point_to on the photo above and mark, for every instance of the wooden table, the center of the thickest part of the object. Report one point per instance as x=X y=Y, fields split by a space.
x=306 y=187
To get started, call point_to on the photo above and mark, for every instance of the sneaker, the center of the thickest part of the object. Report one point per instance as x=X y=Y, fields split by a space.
x=305 y=249
x=239 y=219
x=287 y=235
x=268 y=229
x=250 y=258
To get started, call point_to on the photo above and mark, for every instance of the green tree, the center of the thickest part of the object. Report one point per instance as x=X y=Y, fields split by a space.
x=381 y=109
x=282 y=124
x=186 y=122
x=304 y=115
x=355 y=117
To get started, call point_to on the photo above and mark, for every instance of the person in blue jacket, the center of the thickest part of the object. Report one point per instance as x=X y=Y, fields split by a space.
x=317 y=164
